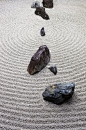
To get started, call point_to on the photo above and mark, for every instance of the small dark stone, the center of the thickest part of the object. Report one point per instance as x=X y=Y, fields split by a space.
x=48 y=3
x=53 y=69
x=35 y=4
x=39 y=60
x=41 y=12
x=58 y=93
x=42 y=32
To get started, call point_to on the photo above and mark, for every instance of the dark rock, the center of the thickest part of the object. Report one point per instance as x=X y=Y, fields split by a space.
x=48 y=3
x=42 y=32
x=53 y=69
x=35 y=4
x=58 y=93
x=41 y=12
x=39 y=60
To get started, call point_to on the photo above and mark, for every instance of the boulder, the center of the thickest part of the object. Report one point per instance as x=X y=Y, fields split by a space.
x=48 y=3
x=58 y=93
x=39 y=60
x=41 y=12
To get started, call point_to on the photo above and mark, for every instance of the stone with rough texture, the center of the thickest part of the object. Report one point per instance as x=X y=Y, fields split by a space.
x=53 y=69
x=41 y=12
x=42 y=32
x=48 y=3
x=39 y=60
x=35 y=4
x=58 y=93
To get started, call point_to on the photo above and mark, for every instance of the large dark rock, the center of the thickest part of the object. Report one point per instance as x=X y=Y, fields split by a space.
x=41 y=12
x=42 y=32
x=58 y=93
x=39 y=60
x=48 y=3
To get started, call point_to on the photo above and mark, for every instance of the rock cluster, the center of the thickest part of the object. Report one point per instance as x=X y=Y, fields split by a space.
x=58 y=93
x=39 y=60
